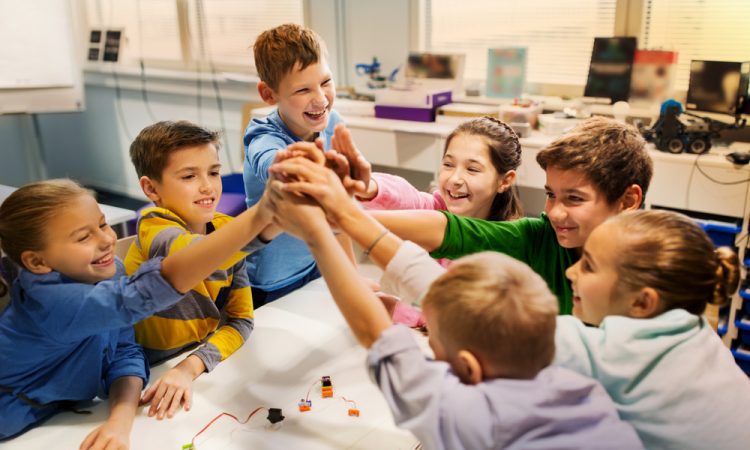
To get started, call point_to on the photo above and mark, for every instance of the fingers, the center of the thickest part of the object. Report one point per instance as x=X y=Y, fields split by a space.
x=309 y=150
x=90 y=439
x=157 y=398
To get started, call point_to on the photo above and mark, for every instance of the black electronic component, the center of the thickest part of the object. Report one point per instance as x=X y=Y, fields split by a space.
x=274 y=415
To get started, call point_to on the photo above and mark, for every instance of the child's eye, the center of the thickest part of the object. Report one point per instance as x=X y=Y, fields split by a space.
x=575 y=199
x=188 y=177
x=585 y=266
x=549 y=194
x=215 y=174
x=474 y=169
x=84 y=237
x=447 y=164
x=301 y=91
x=104 y=226
x=326 y=82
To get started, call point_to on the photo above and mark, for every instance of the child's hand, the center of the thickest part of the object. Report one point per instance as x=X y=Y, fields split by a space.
x=297 y=215
x=173 y=390
x=361 y=169
x=314 y=180
x=112 y=435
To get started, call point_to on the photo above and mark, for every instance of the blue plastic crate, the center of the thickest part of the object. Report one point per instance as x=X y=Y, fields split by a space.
x=743 y=328
x=742 y=357
x=721 y=233
x=745 y=295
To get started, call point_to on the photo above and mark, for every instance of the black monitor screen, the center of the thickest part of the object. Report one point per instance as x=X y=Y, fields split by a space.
x=715 y=86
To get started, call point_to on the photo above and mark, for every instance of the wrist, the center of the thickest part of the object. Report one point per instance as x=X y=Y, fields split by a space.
x=192 y=366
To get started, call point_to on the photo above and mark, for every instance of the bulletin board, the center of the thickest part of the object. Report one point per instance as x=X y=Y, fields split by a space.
x=41 y=57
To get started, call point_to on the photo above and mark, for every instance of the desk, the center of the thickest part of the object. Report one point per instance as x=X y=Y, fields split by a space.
x=116 y=217
x=297 y=339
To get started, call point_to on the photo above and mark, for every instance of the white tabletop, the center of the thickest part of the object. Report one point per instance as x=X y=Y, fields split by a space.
x=113 y=214
x=297 y=339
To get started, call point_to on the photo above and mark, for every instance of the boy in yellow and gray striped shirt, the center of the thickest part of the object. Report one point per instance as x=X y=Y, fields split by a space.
x=179 y=170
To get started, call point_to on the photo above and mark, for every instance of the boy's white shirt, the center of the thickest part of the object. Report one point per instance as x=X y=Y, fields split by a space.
x=410 y=273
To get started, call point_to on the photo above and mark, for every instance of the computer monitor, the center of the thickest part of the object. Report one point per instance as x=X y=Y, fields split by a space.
x=717 y=86
x=435 y=70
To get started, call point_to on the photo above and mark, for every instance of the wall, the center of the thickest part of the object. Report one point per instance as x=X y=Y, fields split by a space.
x=92 y=146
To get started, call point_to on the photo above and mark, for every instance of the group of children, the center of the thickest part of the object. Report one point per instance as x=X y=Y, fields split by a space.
x=636 y=365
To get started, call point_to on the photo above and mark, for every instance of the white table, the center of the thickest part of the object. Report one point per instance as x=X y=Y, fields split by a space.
x=116 y=217
x=297 y=339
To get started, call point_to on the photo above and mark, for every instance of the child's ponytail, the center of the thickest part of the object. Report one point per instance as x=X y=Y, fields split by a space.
x=727 y=275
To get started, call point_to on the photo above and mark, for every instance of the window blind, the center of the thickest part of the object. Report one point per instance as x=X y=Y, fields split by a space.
x=715 y=30
x=151 y=29
x=558 y=35
x=220 y=32
x=230 y=27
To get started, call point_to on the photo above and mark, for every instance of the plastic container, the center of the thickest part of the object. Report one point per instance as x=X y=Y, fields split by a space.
x=742 y=357
x=722 y=234
x=556 y=124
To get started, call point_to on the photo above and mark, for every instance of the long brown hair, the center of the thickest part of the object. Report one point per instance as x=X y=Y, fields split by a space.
x=505 y=154
x=670 y=253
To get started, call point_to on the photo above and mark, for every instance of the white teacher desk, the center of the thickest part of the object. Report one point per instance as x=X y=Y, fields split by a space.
x=297 y=339
x=116 y=217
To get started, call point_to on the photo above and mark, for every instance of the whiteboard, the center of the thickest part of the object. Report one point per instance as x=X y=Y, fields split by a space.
x=40 y=62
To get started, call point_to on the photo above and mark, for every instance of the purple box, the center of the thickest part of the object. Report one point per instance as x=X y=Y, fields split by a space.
x=405 y=113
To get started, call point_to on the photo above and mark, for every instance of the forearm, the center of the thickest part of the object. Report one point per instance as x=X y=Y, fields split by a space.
x=124 y=395
x=424 y=228
x=364 y=313
x=346 y=245
x=188 y=266
x=364 y=230
x=192 y=365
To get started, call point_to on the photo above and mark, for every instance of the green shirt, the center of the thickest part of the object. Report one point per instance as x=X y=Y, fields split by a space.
x=529 y=239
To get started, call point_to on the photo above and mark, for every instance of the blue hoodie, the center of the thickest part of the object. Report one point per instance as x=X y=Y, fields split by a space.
x=286 y=259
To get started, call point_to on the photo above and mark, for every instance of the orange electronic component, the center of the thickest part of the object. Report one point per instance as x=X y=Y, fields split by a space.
x=304 y=405
x=354 y=412
x=326 y=387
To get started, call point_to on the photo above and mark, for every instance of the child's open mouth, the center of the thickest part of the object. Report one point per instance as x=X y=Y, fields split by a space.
x=315 y=115
x=457 y=195
x=105 y=260
x=206 y=202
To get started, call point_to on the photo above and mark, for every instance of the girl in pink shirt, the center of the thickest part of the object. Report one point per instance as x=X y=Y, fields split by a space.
x=475 y=179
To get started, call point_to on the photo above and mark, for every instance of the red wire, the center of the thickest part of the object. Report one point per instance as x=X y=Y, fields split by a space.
x=349 y=401
x=307 y=397
x=192 y=441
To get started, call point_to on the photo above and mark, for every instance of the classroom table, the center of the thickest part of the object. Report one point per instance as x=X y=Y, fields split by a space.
x=297 y=340
x=116 y=217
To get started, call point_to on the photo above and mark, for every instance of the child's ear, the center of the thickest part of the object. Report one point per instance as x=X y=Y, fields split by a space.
x=506 y=182
x=646 y=304
x=469 y=370
x=34 y=262
x=632 y=198
x=149 y=188
x=266 y=93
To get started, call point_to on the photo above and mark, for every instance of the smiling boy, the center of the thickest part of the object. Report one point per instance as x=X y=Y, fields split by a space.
x=179 y=170
x=599 y=169
x=291 y=61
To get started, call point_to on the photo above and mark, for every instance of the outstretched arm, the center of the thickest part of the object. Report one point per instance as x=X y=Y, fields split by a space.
x=364 y=313
x=115 y=432
x=188 y=266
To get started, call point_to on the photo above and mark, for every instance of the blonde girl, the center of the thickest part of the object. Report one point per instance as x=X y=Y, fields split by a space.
x=67 y=334
x=645 y=278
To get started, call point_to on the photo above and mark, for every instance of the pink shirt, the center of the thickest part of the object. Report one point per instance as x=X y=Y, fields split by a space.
x=395 y=192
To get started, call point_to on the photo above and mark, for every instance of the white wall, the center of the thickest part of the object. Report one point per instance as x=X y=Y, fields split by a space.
x=92 y=146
